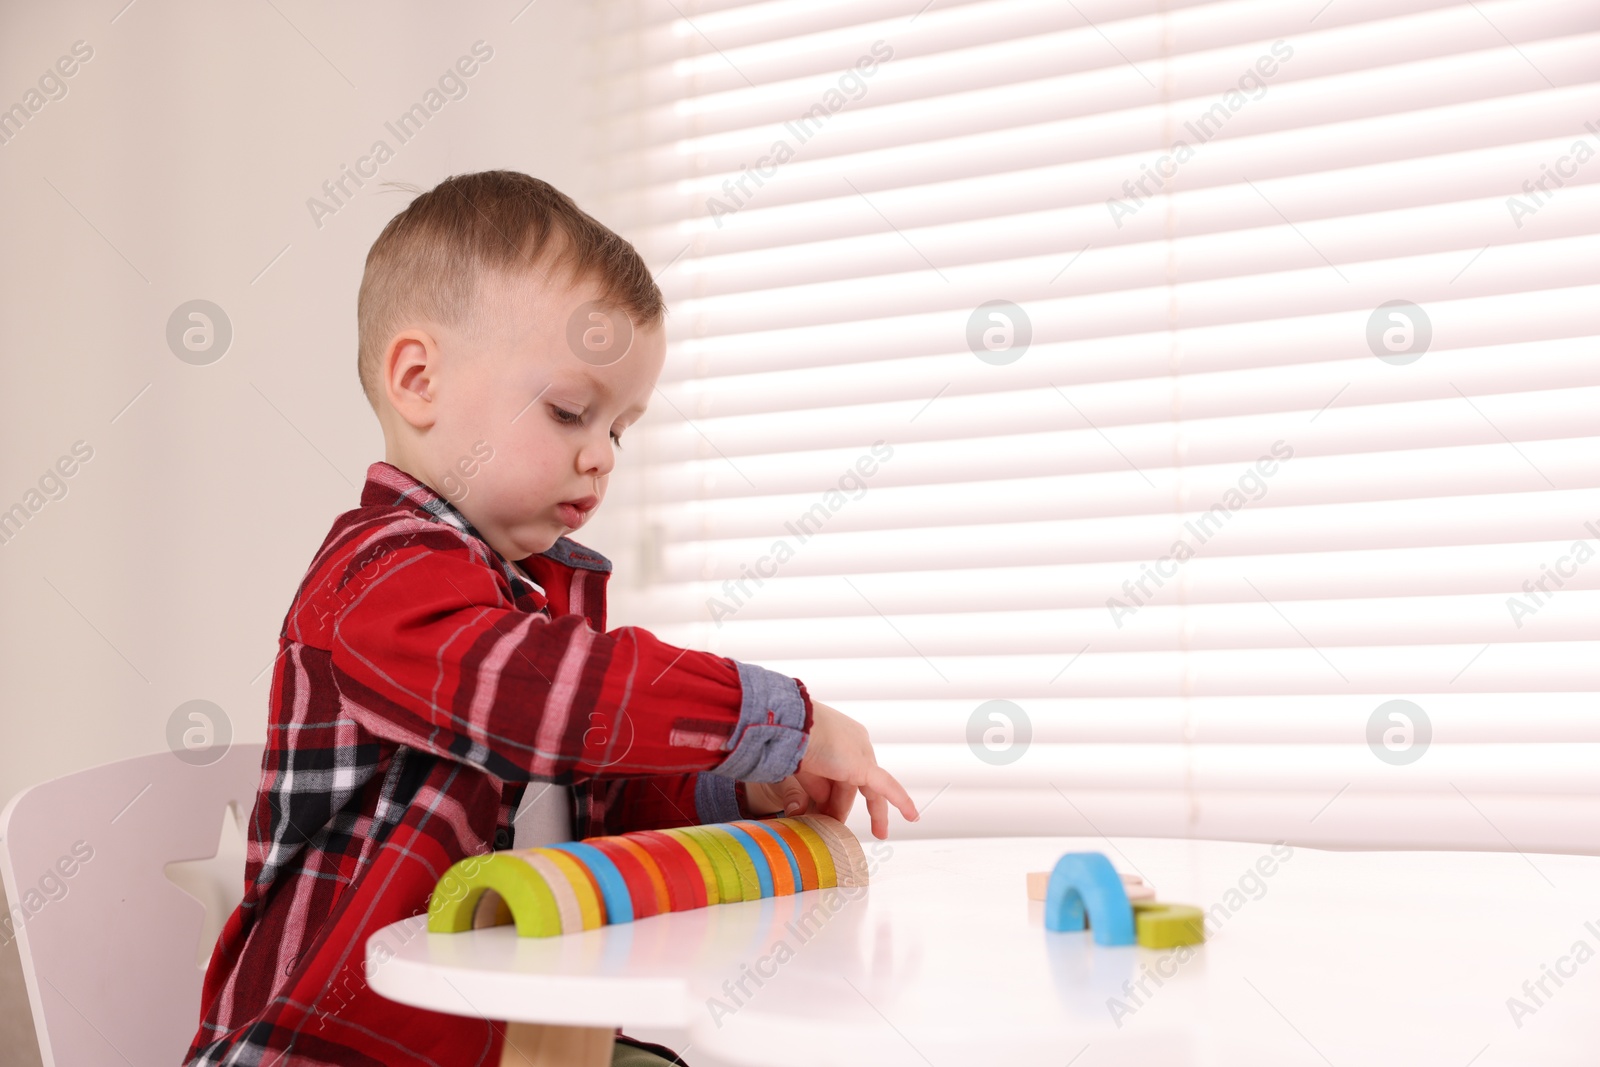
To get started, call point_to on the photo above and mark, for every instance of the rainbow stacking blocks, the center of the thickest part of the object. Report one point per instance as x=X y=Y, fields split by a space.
x=582 y=885
x=1084 y=889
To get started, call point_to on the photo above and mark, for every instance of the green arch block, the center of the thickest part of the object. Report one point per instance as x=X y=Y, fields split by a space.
x=533 y=906
x=730 y=887
x=749 y=878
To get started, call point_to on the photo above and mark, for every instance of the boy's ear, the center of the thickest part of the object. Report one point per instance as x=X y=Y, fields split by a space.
x=410 y=376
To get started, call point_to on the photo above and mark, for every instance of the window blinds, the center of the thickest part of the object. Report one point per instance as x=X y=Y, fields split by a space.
x=1213 y=384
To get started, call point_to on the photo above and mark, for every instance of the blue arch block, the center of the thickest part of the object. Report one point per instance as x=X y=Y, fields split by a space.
x=1087 y=881
x=613 y=889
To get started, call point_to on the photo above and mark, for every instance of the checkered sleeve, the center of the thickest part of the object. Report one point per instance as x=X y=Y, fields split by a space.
x=429 y=650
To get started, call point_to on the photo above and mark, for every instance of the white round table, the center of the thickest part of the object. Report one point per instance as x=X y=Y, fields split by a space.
x=1313 y=957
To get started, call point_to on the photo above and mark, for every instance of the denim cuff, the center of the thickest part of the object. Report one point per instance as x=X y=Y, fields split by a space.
x=715 y=800
x=770 y=737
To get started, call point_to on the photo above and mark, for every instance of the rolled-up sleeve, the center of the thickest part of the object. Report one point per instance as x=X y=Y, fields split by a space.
x=771 y=736
x=766 y=745
x=773 y=728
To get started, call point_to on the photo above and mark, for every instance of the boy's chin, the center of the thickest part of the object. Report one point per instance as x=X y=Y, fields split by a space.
x=540 y=538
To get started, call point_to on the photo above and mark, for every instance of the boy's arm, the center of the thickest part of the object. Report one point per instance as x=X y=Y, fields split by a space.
x=428 y=651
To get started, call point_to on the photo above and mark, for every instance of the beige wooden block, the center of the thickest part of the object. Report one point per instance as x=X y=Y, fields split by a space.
x=560 y=888
x=849 y=861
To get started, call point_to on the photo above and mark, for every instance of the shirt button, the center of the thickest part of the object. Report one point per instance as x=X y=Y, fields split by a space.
x=502 y=840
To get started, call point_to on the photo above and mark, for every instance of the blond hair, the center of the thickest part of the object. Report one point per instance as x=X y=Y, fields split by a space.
x=429 y=258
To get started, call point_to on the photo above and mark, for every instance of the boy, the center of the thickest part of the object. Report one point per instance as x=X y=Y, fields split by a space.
x=447 y=646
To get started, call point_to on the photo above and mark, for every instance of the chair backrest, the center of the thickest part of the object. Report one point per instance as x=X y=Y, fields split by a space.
x=109 y=943
x=544 y=817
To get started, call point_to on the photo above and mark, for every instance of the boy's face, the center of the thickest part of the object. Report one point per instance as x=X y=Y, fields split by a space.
x=527 y=402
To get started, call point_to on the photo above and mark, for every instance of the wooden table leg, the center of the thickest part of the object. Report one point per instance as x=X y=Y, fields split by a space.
x=538 y=1045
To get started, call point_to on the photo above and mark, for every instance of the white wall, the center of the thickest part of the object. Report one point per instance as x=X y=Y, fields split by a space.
x=177 y=166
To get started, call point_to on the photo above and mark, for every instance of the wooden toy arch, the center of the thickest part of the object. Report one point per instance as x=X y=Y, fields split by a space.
x=576 y=886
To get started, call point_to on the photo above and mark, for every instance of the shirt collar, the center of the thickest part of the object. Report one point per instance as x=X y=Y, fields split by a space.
x=388 y=485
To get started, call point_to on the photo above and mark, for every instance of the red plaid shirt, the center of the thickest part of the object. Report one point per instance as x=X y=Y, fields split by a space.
x=421 y=682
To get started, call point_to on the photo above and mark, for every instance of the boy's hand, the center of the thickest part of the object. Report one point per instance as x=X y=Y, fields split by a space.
x=839 y=761
x=770 y=798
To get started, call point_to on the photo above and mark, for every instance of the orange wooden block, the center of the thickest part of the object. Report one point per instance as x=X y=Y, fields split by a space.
x=809 y=876
x=821 y=854
x=778 y=860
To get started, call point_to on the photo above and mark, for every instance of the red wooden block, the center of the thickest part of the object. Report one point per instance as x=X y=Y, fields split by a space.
x=685 y=884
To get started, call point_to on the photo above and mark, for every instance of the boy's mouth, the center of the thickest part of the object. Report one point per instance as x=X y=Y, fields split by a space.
x=574 y=513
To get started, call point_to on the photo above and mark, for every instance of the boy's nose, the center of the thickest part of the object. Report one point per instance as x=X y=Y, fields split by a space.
x=597 y=459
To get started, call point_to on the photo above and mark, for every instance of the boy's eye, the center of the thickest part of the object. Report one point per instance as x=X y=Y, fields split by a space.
x=572 y=418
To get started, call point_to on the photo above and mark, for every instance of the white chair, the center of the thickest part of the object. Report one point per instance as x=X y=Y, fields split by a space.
x=113 y=951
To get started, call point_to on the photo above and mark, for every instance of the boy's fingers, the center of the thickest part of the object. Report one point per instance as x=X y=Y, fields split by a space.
x=878 y=810
x=883 y=783
x=817 y=787
x=841 y=800
x=793 y=796
x=835 y=798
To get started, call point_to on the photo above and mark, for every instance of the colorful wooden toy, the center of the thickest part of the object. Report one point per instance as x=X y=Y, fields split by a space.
x=574 y=886
x=710 y=881
x=560 y=887
x=1168 y=925
x=492 y=911
x=532 y=904
x=766 y=885
x=614 y=892
x=826 y=878
x=748 y=882
x=1086 y=881
x=647 y=891
x=841 y=843
x=785 y=868
x=686 y=889
x=1084 y=890
x=591 y=907
x=723 y=872
x=809 y=877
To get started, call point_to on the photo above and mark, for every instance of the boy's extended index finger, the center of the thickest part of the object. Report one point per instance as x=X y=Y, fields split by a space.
x=884 y=784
